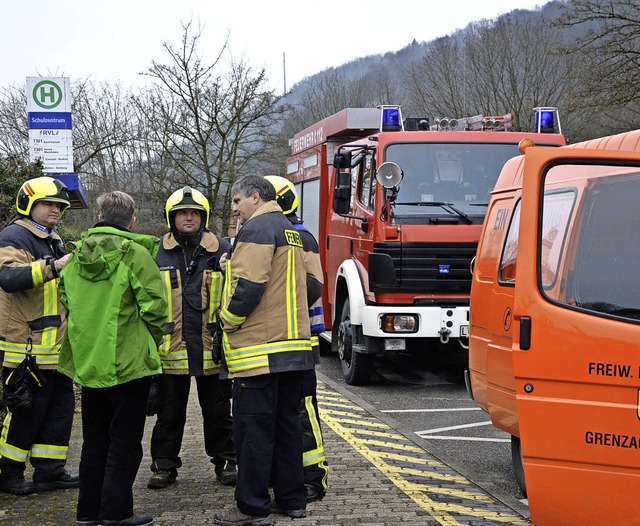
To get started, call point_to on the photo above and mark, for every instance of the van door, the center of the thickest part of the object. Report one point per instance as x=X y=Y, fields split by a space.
x=576 y=350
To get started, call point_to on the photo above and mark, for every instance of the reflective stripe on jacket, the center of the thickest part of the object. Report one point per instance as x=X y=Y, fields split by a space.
x=194 y=299
x=314 y=284
x=265 y=313
x=29 y=302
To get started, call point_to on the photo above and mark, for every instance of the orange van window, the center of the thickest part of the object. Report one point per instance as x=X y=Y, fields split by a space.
x=507 y=269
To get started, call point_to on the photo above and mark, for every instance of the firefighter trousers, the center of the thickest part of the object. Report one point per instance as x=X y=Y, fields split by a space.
x=214 y=396
x=40 y=434
x=266 y=428
x=316 y=470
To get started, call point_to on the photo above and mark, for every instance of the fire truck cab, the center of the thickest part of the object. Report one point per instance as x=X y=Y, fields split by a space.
x=397 y=207
x=555 y=325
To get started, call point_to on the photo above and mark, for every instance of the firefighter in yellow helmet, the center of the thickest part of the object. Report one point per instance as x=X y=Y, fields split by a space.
x=314 y=461
x=189 y=260
x=37 y=427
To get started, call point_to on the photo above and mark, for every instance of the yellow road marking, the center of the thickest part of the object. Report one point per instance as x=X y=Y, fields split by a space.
x=443 y=512
x=359 y=422
x=413 y=460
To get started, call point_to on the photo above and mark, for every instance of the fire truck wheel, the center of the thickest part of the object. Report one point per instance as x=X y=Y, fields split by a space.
x=357 y=368
x=518 y=465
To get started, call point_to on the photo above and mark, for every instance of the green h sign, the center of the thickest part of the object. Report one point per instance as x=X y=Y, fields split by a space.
x=47 y=94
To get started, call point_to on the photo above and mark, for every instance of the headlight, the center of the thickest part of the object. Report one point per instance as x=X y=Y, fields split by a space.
x=393 y=323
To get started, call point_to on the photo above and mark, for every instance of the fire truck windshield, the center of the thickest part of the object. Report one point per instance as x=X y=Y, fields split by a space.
x=461 y=174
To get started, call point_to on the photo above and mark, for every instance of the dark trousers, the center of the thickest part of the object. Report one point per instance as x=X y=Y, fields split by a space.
x=113 y=421
x=316 y=470
x=214 y=396
x=266 y=428
x=47 y=426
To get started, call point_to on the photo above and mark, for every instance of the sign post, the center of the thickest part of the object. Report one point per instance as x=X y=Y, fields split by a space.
x=51 y=131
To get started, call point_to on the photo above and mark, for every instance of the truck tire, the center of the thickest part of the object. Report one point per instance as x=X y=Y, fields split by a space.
x=357 y=368
x=517 y=463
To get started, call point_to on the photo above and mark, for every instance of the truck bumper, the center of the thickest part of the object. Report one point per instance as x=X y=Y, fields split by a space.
x=432 y=322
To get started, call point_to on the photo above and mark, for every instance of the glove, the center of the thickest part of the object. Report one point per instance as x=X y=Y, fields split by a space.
x=154 y=400
x=20 y=386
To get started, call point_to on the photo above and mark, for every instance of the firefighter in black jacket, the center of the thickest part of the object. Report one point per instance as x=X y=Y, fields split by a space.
x=188 y=259
x=32 y=321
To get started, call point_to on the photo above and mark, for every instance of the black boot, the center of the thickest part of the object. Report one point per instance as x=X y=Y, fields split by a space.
x=64 y=481
x=136 y=520
x=16 y=484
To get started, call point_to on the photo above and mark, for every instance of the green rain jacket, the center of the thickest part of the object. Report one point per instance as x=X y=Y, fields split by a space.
x=116 y=310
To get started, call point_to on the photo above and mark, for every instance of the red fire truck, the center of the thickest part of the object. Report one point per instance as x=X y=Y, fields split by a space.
x=397 y=207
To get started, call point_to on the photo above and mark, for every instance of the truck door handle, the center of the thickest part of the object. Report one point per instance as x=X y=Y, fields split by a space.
x=525 y=333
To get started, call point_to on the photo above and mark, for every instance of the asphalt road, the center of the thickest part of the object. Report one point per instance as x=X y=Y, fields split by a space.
x=426 y=398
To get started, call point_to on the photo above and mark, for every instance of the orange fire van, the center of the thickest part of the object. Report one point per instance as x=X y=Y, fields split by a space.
x=554 y=352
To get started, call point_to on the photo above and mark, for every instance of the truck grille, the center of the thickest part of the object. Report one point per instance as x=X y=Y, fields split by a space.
x=422 y=267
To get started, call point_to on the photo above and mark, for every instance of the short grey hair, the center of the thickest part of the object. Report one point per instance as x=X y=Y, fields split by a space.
x=116 y=208
x=254 y=183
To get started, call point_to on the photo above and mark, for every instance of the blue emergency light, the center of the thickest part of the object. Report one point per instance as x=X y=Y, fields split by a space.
x=391 y=118
x=544 y=120
x=444 y=269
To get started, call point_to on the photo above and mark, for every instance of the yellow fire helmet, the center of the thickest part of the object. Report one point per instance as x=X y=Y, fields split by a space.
x=286 y=195
x=187 y=197
x=41 y=189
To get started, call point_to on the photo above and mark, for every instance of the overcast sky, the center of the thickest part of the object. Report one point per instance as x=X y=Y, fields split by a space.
x=115 y=40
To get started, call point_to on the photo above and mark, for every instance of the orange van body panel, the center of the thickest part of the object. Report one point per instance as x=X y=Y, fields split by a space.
x=490 y=332
x=573 y=395
x=578 y=402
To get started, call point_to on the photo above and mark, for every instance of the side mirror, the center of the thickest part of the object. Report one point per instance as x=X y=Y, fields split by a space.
x=342 y=193
x=342 y=160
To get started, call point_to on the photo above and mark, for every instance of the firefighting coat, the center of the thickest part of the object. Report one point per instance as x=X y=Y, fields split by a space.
x=193 y=287
x=265 y=314
x=117 y=312
x=29 y=305
x=314 y=283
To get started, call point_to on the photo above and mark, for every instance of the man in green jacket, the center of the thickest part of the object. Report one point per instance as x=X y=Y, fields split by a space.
x=113 y=293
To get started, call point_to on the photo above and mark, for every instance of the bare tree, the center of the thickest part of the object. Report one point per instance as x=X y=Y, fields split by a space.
x=509 y=65
x=330 y=93
x=436 y=86
x=204 y=124
x=335 y=90
x=100 y=122
x=102 y=128
x=14 y=134
x=609 y=50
